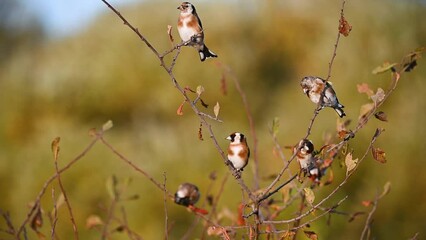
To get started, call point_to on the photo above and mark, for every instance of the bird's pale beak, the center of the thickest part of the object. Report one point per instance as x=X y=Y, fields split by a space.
x=305 y=90
x=228 y=138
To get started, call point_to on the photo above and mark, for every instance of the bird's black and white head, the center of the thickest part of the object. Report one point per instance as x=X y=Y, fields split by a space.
x=236 y=138
x=186 y=8
x=187 y=194
x=306 y=146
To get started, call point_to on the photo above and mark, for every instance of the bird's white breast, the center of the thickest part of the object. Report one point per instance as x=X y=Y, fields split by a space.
x=186 y=32
x=236 y=160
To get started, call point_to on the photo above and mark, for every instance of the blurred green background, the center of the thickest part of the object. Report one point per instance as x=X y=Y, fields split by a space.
x=63 y=86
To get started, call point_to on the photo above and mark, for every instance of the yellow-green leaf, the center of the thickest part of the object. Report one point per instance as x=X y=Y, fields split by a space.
x=309 y=195
x=275 y=125
x=386 y=189
x=107 y=126
x=384 y=68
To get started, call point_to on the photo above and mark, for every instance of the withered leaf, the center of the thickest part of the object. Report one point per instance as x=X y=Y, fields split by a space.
x=381 y=116
x=350 y=163
x=344 y=27
x=379 y=155
x=240 y=219
x=367 y=203
x=37 y=220
x=216 y=109
x=378 y=132
x=93 y=221
x=309 y=195
x=365 y=110
x=169 y=32
x=384 y=68
x=364 y=88
x=200 y=90
x=179 y=111
x=55 y=147
x=311 y=235
x=379 y=96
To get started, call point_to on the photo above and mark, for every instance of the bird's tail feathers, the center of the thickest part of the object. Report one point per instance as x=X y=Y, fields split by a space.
x=206 y=53
x=340 y=111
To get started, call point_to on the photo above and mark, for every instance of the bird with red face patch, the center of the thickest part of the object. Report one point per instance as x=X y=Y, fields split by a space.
x=187 y=195
x=190 y=28
x=238 y=151
x=308 y=162
x=318 y=89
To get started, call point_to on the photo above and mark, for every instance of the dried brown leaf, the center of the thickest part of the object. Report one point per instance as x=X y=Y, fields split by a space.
x=364 y=88
x=169 y=32
x=37 y=220
x=367 y=203
x=379 y=96
x=379 y=155
x=55 y=147
x=365 y=110
x=311 y=235
x=350 y=163
x=288 y=235
x=381 y=116
x=93 y=221
x=344 y=27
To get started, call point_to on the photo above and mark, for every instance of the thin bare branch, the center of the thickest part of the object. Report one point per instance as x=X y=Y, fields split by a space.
x=67 y=202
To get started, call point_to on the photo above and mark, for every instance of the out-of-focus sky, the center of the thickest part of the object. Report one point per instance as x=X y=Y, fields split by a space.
x=63 y=18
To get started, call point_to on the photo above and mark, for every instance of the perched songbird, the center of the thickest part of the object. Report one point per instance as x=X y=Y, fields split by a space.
x=187 y=194
x=321 y=91
x=238 y=151
x=190 y=28
x=305 y=156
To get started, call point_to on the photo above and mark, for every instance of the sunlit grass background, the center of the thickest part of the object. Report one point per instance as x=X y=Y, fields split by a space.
x=65 y=86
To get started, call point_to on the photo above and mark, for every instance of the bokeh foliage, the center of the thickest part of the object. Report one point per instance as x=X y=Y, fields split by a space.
x=63 y=87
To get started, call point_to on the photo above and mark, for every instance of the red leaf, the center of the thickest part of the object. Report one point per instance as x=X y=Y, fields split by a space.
x=240 y=220
x=364 y=88
x=367 y=203
x=344 y=27
x=180 y=109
